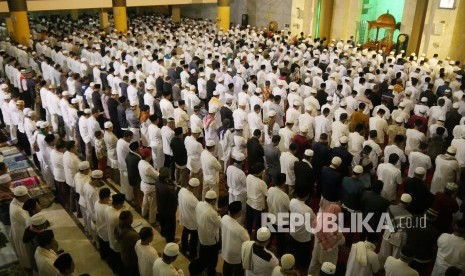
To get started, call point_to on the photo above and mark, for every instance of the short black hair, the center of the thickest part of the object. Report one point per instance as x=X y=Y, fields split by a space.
x=104 y=193
x=145 y=233
x=45 y=237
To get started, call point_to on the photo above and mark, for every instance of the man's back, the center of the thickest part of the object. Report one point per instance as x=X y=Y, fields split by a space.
x=396 y=267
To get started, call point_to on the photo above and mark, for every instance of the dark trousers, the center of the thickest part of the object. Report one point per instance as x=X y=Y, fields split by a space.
x=167 y=225
x=189 y=242
x=23 y=142
x=61 y=126
x=209 y=257
x=347 y=223
x=232 y=269
x=253 y=218
x=104 y=248
x=66 y=199
x=280 y=241
x=94 y=163
x=302 y=252
x=60 y=190
x=114 y=261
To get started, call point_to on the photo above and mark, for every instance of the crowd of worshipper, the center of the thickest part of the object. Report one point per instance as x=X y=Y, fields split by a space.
x=222 y=126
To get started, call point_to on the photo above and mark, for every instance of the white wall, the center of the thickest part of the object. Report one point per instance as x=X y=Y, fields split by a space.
x=206 y=11
x=273 y=10
x=437 y=40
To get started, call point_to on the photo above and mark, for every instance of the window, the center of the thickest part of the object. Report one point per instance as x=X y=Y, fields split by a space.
x=447 y=4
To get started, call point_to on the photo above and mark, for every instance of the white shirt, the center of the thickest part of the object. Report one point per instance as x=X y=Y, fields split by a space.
x=381 y=126
x=83 y=129
x=167 y=135
x=187 y=203
x=146 y=256
x=167 y=109
x=322 y=125
x=44 y=260
x=451 y=252
x=232 y=235
x=92 y=127
x=122 y=150
x=56 y=159
x=354 y=268
x=418 y=159
x=414 y=137
x=287 y=161
x=390 y=175
x=160 y=268
x=256 y=192
x=194 y=150
x=236 y=180
x=111 y=222
x=211 y=168
x=71 y=166
x=300 y=234
x=208 y=222
x=99 y=210
x=388 y=150
x=396 y=267
x=278 y=201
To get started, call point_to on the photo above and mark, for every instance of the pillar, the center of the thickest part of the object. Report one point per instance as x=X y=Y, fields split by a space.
x=456 y=51
x=119 y=16
x=224 y=14
x=9 y=27
x=103 y=19
x=324 y=18
x=74 y=15
x=18 y=15
x=176 y=13
x=417 y=27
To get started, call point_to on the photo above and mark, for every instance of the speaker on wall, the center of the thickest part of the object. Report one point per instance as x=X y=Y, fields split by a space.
x=245 y=20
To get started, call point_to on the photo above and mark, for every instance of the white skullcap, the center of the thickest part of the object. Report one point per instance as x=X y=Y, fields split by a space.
x=38 y=219
x=84 y=165
x=328 y=268
x=87 y=111
x=451 y=186
x=238 y=156
x=343 y=103
x=271 y=113
x=74 y=101
x=5 y=178
x=210 y=143
x=307 y=80
x=336 y=161
x=452 y=150
x=402 y=104
x=308 y=153
x=192 y=71
x=148 y=87
x=263 y=234
x=258 y=90
x=212 y=109
x=420 y=171
x=399 y=119
x=211 y=195
x=30 y=113
x=287 y=261
x=194 y=182
x=406 y=198
x=424 y=99
x=171 y=249
x=343 y=140
x=220 y=79
x=133 y=103
x=97 y=174
x=329 y=98
x=358 y=169
x=455 y=105
x=303 y=128
x=107 y=124
x=20 y=191
x=196 y=130
x=296 y=103
x=442 y=118
x=216 y=93
x=4 y=86
x=44 y=125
